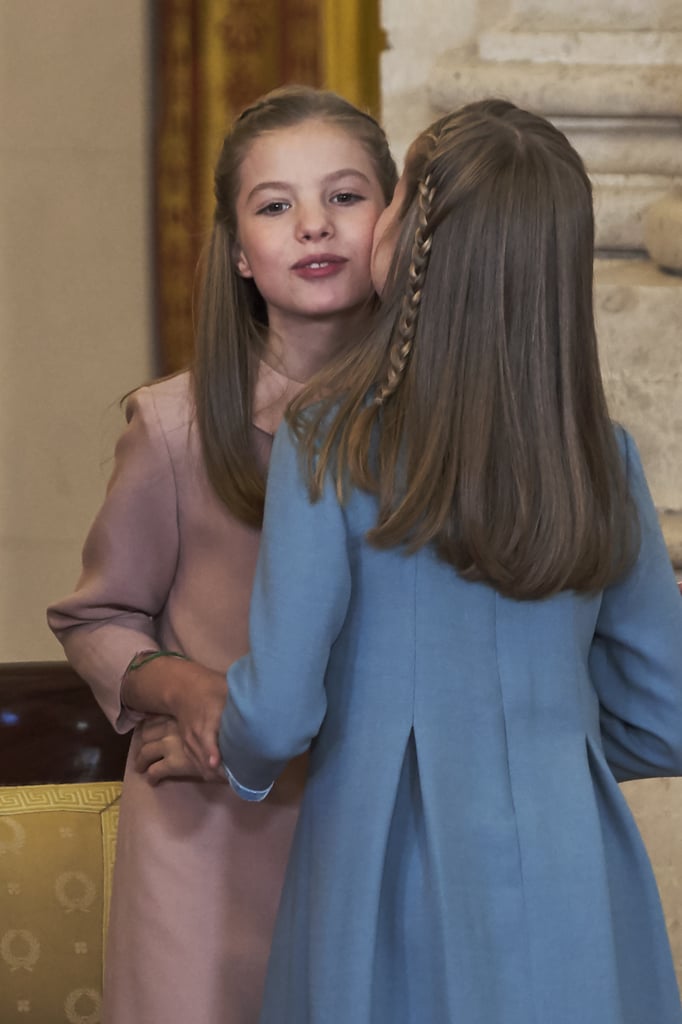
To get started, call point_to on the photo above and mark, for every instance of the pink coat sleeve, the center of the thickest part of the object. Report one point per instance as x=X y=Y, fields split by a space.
x=129 y=562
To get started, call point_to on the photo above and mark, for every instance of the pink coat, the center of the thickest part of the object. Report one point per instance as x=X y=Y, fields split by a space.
x=198 y=873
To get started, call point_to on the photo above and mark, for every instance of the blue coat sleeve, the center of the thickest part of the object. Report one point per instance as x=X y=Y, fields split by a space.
x=636 y=658
x=276 y=693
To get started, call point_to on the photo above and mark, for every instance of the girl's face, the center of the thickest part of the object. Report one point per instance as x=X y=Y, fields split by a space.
x=386 y=231
x=308 y=201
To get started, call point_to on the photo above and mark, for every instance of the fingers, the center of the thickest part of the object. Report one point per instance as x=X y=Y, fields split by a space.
x=163 y=755
x=191 y=740
x=165 y=760
x=149 y=753
x=202 y=746
x=156 y=727
x=165 y=769
x=161 y=771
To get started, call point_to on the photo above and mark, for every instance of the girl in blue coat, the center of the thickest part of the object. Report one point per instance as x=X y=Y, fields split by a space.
x=465 y=608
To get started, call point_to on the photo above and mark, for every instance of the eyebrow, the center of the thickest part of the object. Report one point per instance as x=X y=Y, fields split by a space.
x=345 y=172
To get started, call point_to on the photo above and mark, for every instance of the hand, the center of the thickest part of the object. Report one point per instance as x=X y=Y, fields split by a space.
x=162 y=755
x=188 y=692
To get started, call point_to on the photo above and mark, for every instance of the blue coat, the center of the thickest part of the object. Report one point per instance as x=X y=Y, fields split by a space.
x=464 y=854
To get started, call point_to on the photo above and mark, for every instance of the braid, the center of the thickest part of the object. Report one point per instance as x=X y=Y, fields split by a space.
x=409 y=310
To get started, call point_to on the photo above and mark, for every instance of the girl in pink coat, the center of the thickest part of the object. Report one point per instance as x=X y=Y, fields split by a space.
x=161 y=607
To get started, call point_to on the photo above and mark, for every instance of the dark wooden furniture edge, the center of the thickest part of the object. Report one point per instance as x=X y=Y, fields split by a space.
x=52 y=730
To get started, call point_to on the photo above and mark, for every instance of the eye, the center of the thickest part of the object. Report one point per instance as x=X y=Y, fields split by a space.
x=273 y=208
x=346 y=198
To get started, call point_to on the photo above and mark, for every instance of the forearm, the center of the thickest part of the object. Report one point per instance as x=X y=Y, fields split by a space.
x=100 y=654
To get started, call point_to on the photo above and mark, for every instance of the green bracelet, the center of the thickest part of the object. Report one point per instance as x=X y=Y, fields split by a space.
x=146 y=656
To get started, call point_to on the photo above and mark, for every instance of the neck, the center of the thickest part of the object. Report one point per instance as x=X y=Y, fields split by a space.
x=299 y=350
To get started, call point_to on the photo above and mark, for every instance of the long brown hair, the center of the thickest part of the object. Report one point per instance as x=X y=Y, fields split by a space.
x=232 y=324
x=475 y=408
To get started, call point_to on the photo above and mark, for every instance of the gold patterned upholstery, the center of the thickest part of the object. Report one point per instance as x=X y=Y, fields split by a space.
x=57 y=846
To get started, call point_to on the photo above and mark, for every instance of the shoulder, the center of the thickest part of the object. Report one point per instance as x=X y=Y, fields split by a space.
x=624 y=440
x=632 y=460
x=159 y=422
x=167 y=405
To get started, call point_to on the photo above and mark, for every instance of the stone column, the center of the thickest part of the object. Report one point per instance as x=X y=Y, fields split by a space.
x=617 y=94
x=663 y=231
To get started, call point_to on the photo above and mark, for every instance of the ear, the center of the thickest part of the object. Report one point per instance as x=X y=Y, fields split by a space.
x=241 y=262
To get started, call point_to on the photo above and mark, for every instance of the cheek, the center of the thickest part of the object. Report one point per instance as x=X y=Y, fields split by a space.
x=365 y=235
x=379 y=226
x=382 y=252
x=378 y=278
x=256 y=255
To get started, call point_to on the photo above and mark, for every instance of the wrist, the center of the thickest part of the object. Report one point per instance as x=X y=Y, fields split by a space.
x=155 y=682
x=144 y=657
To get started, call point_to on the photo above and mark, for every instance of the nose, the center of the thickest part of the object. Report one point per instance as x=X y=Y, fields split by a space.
x=314 y=223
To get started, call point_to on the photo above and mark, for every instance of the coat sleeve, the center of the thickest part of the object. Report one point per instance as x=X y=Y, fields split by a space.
x=277 y=700
x=636 y=658
x=129 y=561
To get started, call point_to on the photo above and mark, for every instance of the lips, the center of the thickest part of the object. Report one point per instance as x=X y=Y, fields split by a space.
x=317 y=259
x=316 y=265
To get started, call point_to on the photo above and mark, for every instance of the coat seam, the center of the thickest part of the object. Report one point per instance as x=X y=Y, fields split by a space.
x=531 y=967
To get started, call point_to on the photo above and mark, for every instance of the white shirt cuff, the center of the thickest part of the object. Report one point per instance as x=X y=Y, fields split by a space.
x=252 y=795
